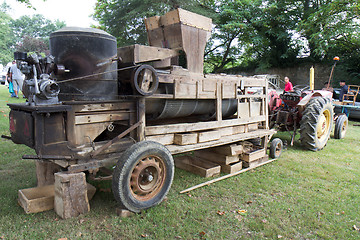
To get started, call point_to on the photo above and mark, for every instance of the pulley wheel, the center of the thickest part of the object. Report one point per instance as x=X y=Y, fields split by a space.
x=145 y=80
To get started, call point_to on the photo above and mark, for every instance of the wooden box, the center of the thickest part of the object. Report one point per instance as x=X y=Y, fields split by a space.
x=233 y=149
x=40 y=199
x=254 y=155
x=232 y=167
x=198 y=166
x=256 y=162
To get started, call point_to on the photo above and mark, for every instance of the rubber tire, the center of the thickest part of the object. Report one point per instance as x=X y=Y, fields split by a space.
x=124 y=167
x=275 y=145
x=308 y=124
x=341 y=122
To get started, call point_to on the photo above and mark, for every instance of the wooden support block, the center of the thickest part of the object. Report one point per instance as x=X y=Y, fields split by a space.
x=71 y=195
x=216 y=157
x=257 y=162
x=238 y=129
x=185 y=138
x=197 y=166
x=227 y=131
x=254 y=155
x=165 y=139
x=232 y=167
x=209 y=136
x=233 y=149
x=40 y=199
x=124 y=213
x=45 y=172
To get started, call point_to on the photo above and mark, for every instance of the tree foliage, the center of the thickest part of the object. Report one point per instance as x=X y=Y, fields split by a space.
x=6 y=36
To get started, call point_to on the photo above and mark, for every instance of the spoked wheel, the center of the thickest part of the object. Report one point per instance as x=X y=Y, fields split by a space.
x=341 y=126
x=145 y=80
x=276 y=147
x=316 y=123
x=143 y=176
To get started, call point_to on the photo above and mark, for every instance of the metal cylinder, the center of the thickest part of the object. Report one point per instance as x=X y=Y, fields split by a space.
x=84 y=52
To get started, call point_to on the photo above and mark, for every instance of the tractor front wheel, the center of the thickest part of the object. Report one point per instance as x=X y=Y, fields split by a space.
x=316 y=123
x=340 y=127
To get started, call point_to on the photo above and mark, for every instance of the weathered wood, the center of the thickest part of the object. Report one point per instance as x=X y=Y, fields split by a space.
x=101 y=117
x=252 y=127
x=257 y=162
x=224 y=177
x=141 y=116
x=176 y=149
x=233 y=149
x=71 y=195
x=185 y=138
x=45 y=172
x=141 y=53
x=216 y=157
x=192 y=127
x=197 y=166
x=254 y=155
x=208 y=136
x=165 y=139
x=232 y=167
x=40 y=199
x=255 y=108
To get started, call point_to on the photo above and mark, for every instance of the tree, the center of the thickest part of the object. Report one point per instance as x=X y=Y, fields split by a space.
x=125 y=19
x=6 y=36
x=36 y=27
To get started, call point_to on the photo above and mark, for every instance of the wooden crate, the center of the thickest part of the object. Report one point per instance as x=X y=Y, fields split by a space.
x=256 y=162
x=254 y=155
x=40 y=199
x=232 y=167
x=222 y=159
x=198 y=166
x=185 y=138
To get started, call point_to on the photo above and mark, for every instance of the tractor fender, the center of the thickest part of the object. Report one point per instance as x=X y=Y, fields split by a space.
x=317 y=93
x=274 y=100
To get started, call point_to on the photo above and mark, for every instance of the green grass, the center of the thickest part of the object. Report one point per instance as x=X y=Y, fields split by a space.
x=302 y=195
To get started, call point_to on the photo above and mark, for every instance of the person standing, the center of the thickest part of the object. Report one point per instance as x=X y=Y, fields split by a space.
x=16 y=78
x=288 y=85
x=343 y=90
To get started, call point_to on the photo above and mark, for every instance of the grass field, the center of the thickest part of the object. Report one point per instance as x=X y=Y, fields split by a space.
x=302 y=195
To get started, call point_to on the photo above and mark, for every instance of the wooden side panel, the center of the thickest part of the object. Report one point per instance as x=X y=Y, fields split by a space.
x=243 y=109
x=231 y=168
x=185 y=138
x=208 y=136
x=184 y=89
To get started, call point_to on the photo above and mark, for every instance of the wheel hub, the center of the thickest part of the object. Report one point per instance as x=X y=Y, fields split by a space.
x=323 y=124
x=146 y=178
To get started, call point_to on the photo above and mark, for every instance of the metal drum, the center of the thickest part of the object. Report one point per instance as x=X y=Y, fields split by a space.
x=85 y=63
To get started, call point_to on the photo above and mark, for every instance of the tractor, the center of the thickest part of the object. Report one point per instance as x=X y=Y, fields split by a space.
x=309 y=111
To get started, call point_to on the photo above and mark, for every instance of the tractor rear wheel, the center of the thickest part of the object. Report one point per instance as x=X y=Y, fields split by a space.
x=316 y=123
x=143 y=176
x=341 y=126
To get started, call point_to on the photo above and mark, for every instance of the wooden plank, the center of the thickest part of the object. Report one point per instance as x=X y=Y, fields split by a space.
x=224 y=177
x=45 y=172
x=254 y=155
x=101 y=117
x=197 y=166
x=233 y=149
x=140 y=53
x=208 y=136
x=176 y=149
x=165 y=139
x=252 y=127
x=186 y=18
x=229 y=89
x=259 y=162
x=208 y=155
x=232 y=167
x=243 y=109
x=255 y=108
x=103 y=107
x=152 y=23
x=226 y=131
x=191 y=127
x=184 y=89
x=185 y=138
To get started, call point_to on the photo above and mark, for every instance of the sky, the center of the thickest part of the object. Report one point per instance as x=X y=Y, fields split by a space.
x=74 y=13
